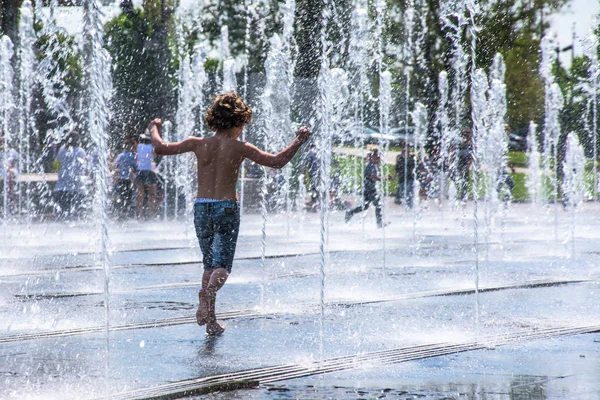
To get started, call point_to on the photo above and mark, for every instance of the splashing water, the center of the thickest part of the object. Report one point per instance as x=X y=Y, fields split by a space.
x=534 y=182
x=574 y=180
x=27 y=134
x=6 y=107
x=99 y=90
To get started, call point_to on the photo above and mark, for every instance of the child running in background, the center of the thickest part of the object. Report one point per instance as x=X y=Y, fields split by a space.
x=370 y=194
x=216 y=210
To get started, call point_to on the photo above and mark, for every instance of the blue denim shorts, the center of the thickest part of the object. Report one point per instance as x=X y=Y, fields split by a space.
x=217 y=226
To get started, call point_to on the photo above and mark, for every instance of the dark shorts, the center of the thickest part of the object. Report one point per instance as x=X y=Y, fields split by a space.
x=217 y=226
x=145 y=177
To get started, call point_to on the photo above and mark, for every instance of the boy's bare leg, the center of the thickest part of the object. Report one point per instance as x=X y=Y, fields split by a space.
x=216 y=281
x=202 y=312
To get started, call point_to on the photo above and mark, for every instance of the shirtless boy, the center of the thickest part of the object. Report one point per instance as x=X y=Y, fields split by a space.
x=216 y=211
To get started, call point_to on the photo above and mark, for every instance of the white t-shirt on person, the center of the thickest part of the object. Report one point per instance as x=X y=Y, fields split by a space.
x=144 y=157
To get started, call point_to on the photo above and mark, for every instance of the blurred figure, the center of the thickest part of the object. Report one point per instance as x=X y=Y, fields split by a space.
x=9 y=162
x=370 y=194
x=69 y=189
x=125 y=167
x=145 y=180
x=505 y=183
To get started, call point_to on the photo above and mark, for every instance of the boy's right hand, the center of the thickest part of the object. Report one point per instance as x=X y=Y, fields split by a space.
x=303 y=133
x=157 y=122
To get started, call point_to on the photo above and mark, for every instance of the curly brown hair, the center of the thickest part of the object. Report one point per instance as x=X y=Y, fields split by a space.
x=227 y=111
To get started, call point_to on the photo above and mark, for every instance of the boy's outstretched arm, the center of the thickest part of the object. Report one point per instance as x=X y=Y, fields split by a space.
x=162 y=148
x=280 y=159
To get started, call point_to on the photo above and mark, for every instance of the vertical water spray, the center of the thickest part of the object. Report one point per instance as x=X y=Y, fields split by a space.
x=452 y=17
x=189 y=89
x=199 y=83
x=6 y=109
x=358 y=56
x=98 y=84
x=553 y=104
x=497 y=144
x=420 y=121
x=324 y=108
x=590 y=49
x=408 y=61
x=385 y=110
x=479 y=88
x=494 y=147
x=27 y=134
x=534 y=179
x=574 y=180
x=470 y=7
x=552 y=129
x=447 y=137
x=249 y=22
x=276 y=107
x=289 y=49
x=166 y=168
x=224 y=54
x=229 y=81
x=276 y=126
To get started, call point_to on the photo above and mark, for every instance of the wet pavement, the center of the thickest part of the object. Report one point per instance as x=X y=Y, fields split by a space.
x=410 y=285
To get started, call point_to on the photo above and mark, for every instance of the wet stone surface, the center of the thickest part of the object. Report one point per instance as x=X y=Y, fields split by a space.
x=409 y=286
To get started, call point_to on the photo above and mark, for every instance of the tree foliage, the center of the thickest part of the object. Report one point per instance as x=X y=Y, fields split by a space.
x=143 y=68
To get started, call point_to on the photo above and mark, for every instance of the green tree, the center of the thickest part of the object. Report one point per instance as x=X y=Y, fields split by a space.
x=512 y=28
x=143 y=68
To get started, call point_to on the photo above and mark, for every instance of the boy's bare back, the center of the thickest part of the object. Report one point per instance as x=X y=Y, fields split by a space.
x=220 y=156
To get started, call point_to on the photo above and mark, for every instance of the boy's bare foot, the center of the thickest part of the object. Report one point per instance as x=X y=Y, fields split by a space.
x=202 y=312
x=215 y=328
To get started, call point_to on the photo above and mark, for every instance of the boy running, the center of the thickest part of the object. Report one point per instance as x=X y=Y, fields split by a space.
x=216 y=211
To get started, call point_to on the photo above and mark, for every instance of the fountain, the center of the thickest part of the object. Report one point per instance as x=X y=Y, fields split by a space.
x=6 y=105
x=27 y=136
x=574 y=181
x=323 y=308
x=535 y=183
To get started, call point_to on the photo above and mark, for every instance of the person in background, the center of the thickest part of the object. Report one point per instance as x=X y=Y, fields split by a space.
x=370 y=194
x=69 y=192
x=145 y=179
x=125 y=166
